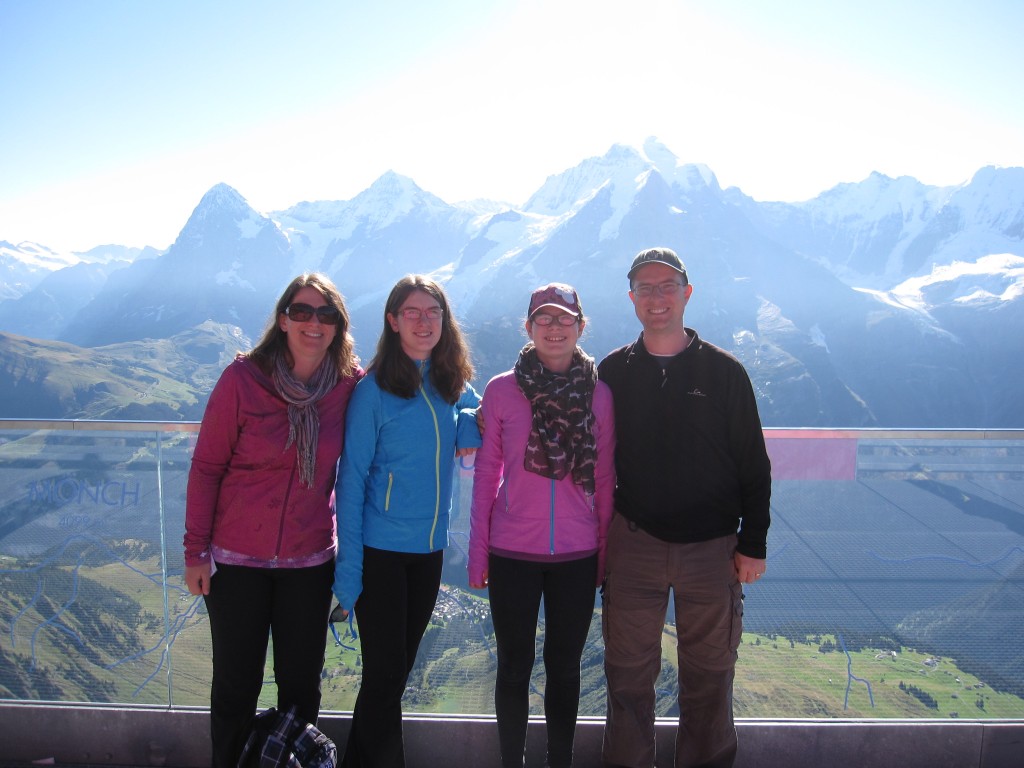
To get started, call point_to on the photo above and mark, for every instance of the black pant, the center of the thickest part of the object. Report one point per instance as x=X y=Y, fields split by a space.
x=247 y=606
x=399 y=593
x=516 y=589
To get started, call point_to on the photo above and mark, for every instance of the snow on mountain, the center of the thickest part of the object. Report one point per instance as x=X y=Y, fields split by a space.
x=980 y=218
x=500 y=242
x=105 y=254
x=994 y=197
x=562 y=193
x=316 y=230
x=37 y=256
x=877 y=233
x=222 y=212
x=862 y=231
x=623 y=169
x=989 y=280
x=25 y=266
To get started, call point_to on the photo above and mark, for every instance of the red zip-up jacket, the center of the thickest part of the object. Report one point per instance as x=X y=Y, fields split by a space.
x=244 y=493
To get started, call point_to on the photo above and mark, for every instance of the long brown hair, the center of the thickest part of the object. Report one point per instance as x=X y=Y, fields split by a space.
x=450 y=366
x=275 y=341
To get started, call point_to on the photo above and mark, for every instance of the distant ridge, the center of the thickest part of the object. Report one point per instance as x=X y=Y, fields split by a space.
x=882 y=303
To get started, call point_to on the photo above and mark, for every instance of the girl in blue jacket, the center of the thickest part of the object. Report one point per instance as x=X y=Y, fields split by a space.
x=394 y=495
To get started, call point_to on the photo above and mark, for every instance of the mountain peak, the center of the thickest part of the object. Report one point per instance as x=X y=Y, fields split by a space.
x=223 y=197
x=392 y=196
x=221 y=209
x=389 y=181
x=621 y=167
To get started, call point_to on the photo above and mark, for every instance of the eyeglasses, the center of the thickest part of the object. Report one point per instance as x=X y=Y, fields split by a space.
x=412 y=314
x=544 y=319
x=303 y=313
x=670 y=288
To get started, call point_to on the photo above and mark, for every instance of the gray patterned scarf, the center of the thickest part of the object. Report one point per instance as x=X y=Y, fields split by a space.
x=303 y=415
x=562 y=436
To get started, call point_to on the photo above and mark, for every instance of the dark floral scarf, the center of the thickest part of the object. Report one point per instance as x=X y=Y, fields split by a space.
x=562 y=436
x=303 y=415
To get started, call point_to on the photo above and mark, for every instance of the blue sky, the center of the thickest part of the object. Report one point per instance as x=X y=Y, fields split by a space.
x=119 y=115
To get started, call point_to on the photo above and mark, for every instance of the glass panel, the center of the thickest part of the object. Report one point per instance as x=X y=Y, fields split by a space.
x=895 y=583
x=82 y=568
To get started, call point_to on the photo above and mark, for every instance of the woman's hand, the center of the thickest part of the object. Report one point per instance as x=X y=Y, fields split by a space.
x=482 y=584
x=338 y=614
x=197 y=578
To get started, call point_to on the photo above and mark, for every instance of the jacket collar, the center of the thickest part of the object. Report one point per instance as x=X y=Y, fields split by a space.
x=638 y=350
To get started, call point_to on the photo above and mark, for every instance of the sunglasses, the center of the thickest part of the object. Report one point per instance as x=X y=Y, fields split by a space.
x=303 y=313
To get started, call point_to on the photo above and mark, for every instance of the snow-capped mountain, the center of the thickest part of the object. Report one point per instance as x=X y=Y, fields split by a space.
x=227 y=265
x=882 y=303
x=387 y=231
x=25 y=265
x=881 y=231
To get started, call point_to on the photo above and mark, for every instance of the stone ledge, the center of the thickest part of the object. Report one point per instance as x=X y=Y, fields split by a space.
x=95 y=735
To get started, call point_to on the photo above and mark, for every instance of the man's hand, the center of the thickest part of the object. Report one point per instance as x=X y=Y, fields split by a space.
x=749 y=569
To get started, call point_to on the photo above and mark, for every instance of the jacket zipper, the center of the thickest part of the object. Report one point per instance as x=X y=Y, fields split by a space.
x=284 y=507
x=551 y=543
x=437 y=465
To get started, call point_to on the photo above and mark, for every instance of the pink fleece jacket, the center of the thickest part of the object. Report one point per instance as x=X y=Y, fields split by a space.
x=519 y=512
x=244 y=493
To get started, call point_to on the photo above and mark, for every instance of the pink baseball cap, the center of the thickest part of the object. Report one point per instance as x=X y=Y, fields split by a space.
x=555 y=295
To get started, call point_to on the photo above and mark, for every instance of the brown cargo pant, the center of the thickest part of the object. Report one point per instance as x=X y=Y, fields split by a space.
x=641 y=570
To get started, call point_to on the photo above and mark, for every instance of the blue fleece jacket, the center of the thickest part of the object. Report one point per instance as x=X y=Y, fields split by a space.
x=394 y=489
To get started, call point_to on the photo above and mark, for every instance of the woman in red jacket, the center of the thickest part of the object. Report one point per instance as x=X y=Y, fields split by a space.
x=260 y=538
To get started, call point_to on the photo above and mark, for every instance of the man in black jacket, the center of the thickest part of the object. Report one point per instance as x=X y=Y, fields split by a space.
x=691 y=517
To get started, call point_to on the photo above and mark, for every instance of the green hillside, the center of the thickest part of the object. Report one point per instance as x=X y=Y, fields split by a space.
x=93 y=630
x=150 y=380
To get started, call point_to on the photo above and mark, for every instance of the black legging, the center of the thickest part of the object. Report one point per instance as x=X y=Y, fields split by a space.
x=516 y=588
x=398 y=597
x=246 y=607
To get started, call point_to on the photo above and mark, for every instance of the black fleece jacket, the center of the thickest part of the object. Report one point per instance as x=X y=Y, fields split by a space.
x=690 y=454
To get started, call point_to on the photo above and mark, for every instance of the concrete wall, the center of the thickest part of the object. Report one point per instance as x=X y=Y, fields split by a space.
x=179 y=738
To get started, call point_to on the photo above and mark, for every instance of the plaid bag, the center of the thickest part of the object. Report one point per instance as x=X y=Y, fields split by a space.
x=283 y=740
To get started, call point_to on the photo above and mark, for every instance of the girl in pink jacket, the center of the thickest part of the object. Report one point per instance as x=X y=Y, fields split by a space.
x=542 y=501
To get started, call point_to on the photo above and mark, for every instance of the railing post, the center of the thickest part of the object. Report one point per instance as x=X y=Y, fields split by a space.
x=163 y=565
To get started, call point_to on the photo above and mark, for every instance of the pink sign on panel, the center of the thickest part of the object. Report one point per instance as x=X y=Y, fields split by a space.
x=813 y=458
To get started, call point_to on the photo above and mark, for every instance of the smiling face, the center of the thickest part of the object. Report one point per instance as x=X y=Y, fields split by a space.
x=660 y=312
x=418 y=335
x=554 y=342
x=307 y=341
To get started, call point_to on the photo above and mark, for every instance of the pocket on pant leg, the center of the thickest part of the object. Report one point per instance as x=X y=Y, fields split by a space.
x=736 y=633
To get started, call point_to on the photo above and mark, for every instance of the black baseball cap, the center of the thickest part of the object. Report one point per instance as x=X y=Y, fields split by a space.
x=664 y=256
